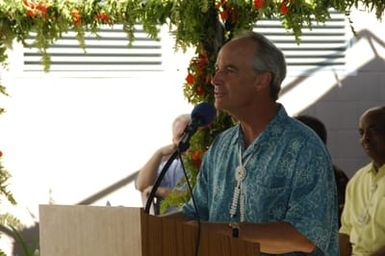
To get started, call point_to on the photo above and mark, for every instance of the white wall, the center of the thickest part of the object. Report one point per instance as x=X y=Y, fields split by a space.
x=65 y=139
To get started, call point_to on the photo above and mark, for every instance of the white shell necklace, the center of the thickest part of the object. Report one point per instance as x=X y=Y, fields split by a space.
x=239 y=196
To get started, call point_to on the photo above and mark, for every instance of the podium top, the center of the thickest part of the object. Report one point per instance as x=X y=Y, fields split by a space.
x=80 y=230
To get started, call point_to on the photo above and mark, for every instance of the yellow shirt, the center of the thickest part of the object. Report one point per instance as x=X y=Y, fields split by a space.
x=363 y=217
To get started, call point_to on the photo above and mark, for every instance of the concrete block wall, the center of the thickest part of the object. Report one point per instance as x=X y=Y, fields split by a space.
x=341 y=107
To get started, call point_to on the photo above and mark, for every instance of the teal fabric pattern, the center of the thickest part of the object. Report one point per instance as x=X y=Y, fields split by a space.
x=289 y=178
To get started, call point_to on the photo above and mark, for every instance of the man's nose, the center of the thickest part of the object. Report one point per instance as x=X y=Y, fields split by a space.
x=215 y=80
x=365 y=136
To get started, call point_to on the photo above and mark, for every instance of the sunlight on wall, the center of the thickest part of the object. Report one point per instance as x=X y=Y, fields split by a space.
x=307 y=92
x=361 y=50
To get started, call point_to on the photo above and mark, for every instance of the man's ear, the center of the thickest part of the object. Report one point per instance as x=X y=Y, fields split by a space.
x=263 y=80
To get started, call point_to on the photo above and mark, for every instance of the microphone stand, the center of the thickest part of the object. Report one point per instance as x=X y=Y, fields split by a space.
x=182 y=147
x=159 y=180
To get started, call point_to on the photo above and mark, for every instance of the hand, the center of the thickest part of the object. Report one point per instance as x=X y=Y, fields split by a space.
x=147 y=191
x=380 y=252
x=167 y=150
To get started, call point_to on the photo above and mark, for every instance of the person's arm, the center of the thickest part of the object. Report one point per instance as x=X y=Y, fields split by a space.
x=345 y=246
x=147 y=175
x=274 y=238
x=380 y=252
x=160 y=192
x=278 y=237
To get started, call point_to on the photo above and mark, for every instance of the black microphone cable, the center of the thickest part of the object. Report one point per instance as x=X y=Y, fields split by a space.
x=158 y=181
x=177 y=153
x=198 y=238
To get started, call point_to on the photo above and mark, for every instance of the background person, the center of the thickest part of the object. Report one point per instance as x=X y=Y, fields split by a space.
x=363 y=219
x=149 y=172
x=341 y=178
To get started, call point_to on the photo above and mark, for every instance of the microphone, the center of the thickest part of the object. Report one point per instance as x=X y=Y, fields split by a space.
x=202 y=115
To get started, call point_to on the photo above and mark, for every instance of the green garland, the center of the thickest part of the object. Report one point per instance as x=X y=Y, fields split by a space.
x=191 y=22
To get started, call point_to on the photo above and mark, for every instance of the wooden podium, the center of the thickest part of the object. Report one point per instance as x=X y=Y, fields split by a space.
x=123 y=231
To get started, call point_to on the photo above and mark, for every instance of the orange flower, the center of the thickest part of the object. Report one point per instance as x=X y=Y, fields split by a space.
x=76 y=18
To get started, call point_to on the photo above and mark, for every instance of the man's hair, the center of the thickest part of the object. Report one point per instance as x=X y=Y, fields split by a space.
x=268 y=58
x=181 y=118
x=315 y=124
x=379 y=112
x=378 y=109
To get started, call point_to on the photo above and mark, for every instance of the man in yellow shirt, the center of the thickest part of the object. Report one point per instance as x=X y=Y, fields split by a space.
x=363 y=219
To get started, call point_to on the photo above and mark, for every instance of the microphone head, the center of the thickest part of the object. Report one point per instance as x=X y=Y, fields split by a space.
x=203 y=113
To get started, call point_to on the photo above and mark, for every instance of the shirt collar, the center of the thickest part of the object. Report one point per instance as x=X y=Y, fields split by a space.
x=273 y=129
x=372 y=171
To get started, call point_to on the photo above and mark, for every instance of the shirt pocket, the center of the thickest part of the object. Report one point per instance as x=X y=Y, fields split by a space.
x=266 y=201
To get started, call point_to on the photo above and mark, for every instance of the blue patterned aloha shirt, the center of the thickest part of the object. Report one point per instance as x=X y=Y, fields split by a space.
x=289 y=178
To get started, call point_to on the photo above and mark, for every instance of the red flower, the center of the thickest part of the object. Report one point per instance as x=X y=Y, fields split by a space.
x=259 y=4
x=31 y=13
x=190 y=78
x=1 y=154
x=203 y=58
x=283 y=7
x=34 y=9
x=196 y=157
x=200 y=90
x=103 y=17
x=42 y=8
x=224 y=15
x=233 y=15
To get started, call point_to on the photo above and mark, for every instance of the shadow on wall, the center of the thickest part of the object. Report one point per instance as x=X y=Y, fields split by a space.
x=341 y=107
x=30 y=236
x=29 y=242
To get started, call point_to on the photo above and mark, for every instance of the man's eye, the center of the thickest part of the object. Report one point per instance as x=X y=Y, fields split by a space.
x=378 y=129
x=225 y=70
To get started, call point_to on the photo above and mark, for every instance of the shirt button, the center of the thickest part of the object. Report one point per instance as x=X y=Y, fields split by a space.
x=373 y=187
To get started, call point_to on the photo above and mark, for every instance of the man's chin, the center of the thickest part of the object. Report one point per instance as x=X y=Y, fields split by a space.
x=219 y=105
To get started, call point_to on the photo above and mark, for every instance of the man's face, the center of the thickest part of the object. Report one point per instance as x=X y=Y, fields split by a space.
x=372 y=135
x=235 y=80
